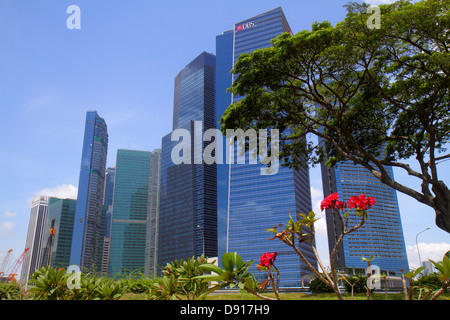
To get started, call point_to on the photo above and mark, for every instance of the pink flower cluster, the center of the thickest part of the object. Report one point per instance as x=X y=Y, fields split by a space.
x=267 y=259
x=360 y=202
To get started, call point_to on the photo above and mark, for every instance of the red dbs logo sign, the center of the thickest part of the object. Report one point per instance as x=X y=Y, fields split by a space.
x=245 y=26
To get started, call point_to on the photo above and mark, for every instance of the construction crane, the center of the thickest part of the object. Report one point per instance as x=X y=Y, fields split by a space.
x=14 y=269
x=49 y=246
x=5 y=262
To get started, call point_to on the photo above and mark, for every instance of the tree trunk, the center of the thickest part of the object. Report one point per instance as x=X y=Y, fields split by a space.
x=442 y=206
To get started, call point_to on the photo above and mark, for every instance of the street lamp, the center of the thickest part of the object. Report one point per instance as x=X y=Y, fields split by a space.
x=417 y=245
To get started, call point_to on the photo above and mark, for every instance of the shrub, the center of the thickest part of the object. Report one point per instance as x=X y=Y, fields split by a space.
x=358 y=287
x=318 y=286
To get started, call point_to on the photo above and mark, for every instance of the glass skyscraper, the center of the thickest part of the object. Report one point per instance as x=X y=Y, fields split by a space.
x=188 y=216
x=249 y=202
x=107 y=203
x=151 y=245
x=87 y=242
x=381 y=236
x=61 y=214
x=129 y=214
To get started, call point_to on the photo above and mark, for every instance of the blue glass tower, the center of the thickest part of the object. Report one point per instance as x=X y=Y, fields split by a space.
x=61 y=214
x=249 y=202
x=381 y=236
x=224 y=63
x=87 y=241
x=188 y=216
x=129 y=215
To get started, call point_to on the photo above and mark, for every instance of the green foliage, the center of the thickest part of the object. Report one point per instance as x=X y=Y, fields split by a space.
x=318 y=286
x=443 y=268
x=358 y=282
x=50 y=284
x=234 y=273
x=11 y=291
x=180 y=278
x=431 y=282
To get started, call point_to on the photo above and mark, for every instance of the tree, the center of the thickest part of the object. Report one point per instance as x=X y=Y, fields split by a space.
x=377 y=97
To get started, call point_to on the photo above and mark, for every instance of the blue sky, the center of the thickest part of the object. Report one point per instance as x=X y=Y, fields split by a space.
x=122 y=63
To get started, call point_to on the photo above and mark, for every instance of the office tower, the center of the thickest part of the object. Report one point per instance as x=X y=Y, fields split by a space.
x=35 y=237
x=107 y=203
x=151 y=245
x=130 y=214
x=381 y=236
x=188 y=217
x=58 y=233
x=253 y=201
x=224 y=63
x=109 y=186
x=87 y=242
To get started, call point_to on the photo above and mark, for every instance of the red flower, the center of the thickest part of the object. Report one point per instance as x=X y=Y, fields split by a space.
x=267 y=259
x=332 y=202
x=361 y=202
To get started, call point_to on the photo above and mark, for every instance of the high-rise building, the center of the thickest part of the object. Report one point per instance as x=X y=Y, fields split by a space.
x=35 y=237
x=188 y=215
x=107 y=202
x=87 y=242
x=58 y=232
x=134 y=195
x=151 y=246
x=381 y=236
x=249 y=202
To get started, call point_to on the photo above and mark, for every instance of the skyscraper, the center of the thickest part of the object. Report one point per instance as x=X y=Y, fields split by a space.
x=35 y=237
x=129 y=215
x=108 y=202
x=57 y=243
x=151 y=245
x=250 y=202
x=188 y=218
x=381 y=236
x=87 y=242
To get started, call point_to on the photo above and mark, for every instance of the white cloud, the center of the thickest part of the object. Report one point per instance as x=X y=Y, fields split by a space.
x=433 y=251
x=63 y=191
x=9 y=214
x=6 y=228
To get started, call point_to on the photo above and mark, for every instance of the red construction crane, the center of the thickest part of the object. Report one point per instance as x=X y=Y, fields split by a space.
x=13 y=273
x=5 y=262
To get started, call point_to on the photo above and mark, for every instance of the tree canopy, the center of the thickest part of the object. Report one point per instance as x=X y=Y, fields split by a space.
x=374 y=96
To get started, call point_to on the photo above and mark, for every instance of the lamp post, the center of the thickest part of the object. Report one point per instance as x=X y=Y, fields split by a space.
x=417 y=245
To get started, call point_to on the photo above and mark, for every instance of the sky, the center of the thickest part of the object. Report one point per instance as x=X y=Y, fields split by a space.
x=122 y=63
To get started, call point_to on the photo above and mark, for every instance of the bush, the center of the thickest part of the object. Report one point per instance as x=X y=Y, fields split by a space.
x=359 y=287
x=318 y=286
x=11 y=291
x=431 y=282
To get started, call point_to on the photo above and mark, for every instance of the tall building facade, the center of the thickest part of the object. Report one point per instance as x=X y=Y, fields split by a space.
x=188 y=214
x=129 y=215
x=58 y=232
x=249 y=202
x=108 y=205
x=381 y=236
x=135 y=212
x=87 y=242
x=151 y=245
x=35 y=237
